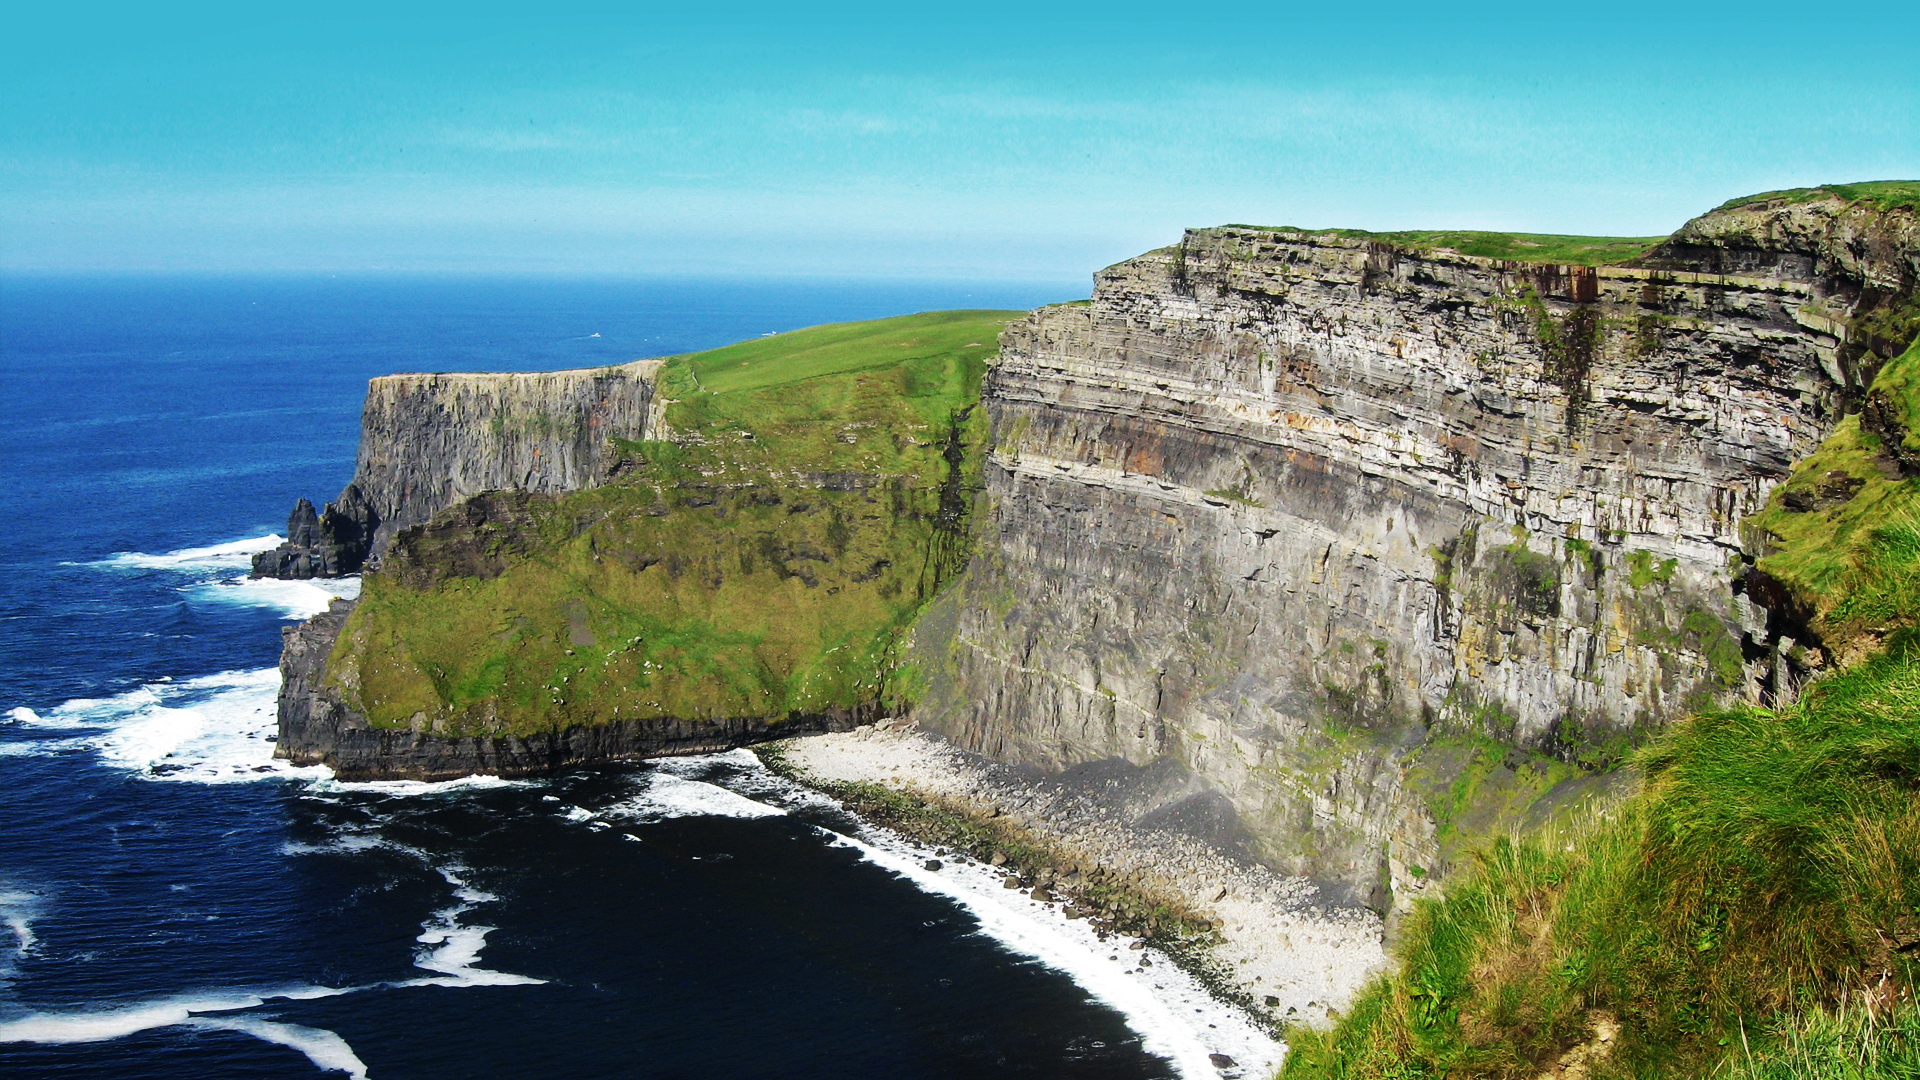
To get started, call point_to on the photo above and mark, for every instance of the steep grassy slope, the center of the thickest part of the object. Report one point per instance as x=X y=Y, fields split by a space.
x=760 y=563
x=1756 y=907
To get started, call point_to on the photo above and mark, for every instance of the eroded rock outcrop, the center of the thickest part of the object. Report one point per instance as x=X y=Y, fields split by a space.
x=429 y=441
x=1374 y=539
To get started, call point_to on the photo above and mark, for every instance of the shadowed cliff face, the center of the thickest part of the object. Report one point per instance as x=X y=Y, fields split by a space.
x=429 y=441
x=1383 y=542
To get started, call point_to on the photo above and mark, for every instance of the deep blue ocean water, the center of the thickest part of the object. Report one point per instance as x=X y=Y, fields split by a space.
x=173 y=904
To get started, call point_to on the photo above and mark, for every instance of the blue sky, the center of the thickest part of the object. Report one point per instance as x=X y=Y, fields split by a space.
x=1002 y=141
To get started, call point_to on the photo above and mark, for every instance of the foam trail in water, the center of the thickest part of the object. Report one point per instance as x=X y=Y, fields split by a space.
x=456 y=949
x=328 y=1051
x=214 y=729
x=232 y=554
x=408 y=788
x=101 y=1025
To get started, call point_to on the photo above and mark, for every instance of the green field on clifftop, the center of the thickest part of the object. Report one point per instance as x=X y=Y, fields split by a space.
x=1518 y=247
x=758 y=562
x=1880 y=194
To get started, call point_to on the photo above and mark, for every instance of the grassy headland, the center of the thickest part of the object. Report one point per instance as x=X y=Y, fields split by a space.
x=758 y=563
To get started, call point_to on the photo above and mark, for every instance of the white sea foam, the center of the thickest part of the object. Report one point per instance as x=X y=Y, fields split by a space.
x=42 y=747
x=1172 y=1013
x=295 y=599
x=213 y=729
x=17 y=912
x=454 y=949
x=100 y=1025
x=406 y=788
x=328 y=1051
x=233 y=553
x=670 y=796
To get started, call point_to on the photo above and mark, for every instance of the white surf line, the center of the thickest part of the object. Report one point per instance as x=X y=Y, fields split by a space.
x=294 y=599
x=327 y=1050
x=1174 y=1015
x=103 y=1025
x=412 y=788
x=214 y=729
x=231 y=553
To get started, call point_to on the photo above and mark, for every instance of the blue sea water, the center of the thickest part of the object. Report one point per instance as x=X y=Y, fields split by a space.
x=175 y=904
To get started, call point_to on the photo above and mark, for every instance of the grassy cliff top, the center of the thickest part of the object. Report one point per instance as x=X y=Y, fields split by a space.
x=1880 y=194
x=758 y=562
x=1519 y=247
x=841 y=348
x=865 y=396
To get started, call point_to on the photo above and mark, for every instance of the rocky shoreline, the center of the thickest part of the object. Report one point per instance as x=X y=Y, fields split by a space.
x=1274 y=945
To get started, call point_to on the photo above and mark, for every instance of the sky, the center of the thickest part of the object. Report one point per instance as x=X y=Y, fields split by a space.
x=1016 y=142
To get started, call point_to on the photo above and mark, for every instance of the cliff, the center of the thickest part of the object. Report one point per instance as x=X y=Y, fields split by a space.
x=429 y=441
x=1379 y=543
x=1386 y=544
x=618 y=596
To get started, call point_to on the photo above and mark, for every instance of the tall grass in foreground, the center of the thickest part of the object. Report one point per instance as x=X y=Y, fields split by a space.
x=1852 y=1043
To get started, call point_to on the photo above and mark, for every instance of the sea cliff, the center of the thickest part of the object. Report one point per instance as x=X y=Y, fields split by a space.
x=1377 y=543
x=1386 y=543
x=429 y=441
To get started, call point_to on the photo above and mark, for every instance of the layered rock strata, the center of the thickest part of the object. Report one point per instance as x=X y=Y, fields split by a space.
x=429 y=441
x=1323 y=518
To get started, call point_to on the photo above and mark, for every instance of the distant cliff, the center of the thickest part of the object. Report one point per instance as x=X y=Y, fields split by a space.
x=613 y=592
x=429 y=441
x=1389 y=545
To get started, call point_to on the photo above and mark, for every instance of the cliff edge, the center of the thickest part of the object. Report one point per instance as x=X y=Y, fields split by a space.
x=428 y=441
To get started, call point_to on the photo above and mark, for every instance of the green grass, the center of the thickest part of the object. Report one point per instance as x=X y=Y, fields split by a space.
x=1880 y=194
x=929 y=341
x=1849 y=1043
x=1841 y=556
x=1767 y=866
x=1518 y=247
x=762 y=563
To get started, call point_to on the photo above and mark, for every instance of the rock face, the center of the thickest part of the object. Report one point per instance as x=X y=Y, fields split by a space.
x=1323 y=519
x=317 y=728
x=429 y=441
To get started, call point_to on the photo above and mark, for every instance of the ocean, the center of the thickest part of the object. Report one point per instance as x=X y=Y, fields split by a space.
x=175 y=903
